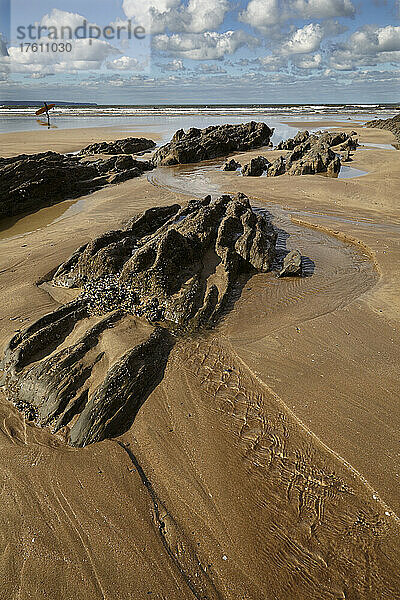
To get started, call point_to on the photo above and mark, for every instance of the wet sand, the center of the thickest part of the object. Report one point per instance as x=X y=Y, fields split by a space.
x=63 y=140
x=266 y=463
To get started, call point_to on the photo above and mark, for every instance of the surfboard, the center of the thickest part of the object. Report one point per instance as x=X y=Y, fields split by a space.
x=43 y=109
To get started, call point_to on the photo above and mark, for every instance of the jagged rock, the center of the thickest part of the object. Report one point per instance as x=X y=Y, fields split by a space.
x=256 y=167
x=349 y=144
x=164 y=268
x=30 y=181
x=319 y=160
x=178 y=268
x=128 y=145
x=291 y=143
x=332 y=139
x=203 y=144
x=291 y=265
x=392 y=124
x=346 y=156
x=309 y=154
x=278 y=167
x=231 y=165
x=107 y=254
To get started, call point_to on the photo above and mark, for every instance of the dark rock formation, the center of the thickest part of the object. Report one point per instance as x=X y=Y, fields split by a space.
x=128 y=145
x=164 y=267
x=332 y=139
x=278 y=167
x=256 y=167
x=349 y=144
x=392 y=125
x=291 y=143
x=311 y=154
x=319 y=159
x=30 y=181
x=178 y=268
x=346 y=156
x=196 y=145
x=291 y=265
x=231 y=165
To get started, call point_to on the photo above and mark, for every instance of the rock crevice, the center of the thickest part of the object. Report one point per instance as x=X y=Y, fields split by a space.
x=169 y=272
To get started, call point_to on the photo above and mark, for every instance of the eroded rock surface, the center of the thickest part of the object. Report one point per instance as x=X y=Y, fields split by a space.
x=392 y=125
x=256 y=167
x=130 y=145
x=299 y=138
x=292 y=265
x=307 y=155
x=319 y=159
x=90 y=364
x=30 y=181
x=196 y=145
x=231 y=165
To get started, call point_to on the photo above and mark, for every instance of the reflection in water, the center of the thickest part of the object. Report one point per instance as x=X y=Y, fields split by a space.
x=12 y=227
x=380 y=146
x=187 y=179
x=350 y=172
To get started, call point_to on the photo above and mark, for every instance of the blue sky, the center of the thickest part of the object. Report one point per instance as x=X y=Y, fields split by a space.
x=204 y=51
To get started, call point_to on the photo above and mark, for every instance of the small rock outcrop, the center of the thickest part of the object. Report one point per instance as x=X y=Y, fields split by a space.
x=130 y=145
x=169 y=272
x=31 y=181
x=320 y=159
x=231 y=165
x=291 y=143
x=256 y=167
x=196 y=145
x=351 y=144
x=392 y=125
x=346 y=156
x=278 y=167
x=309 y=155
x=292 y=265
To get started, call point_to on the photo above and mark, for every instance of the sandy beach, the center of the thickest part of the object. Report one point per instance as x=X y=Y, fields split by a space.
x=266 y=463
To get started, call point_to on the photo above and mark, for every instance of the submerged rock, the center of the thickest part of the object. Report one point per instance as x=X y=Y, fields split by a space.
x=31 y=181
x=130 y=145
x=292 y=265
x=196 y=145
x=179 y=269
x=231 y=165
x=256 y=167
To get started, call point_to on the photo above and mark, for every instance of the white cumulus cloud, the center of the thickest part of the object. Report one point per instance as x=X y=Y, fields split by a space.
x=313 y=61
x=304 y=40
x=367 y=47
x=264 y=14
x=209 y=45
x=85 y=55
x=158 y=16
x=174 y=65
x=125 y=63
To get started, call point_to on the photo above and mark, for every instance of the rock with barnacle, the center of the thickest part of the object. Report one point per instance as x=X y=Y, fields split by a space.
x=89 y=365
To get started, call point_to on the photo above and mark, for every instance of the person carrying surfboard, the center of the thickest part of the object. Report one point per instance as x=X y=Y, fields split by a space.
x=45 y=109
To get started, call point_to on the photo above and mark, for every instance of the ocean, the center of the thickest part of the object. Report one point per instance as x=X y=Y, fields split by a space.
x=167 y=119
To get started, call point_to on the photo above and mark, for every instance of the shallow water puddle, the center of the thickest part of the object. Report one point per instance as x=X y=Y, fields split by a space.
x=351 y=172
x=20 y=225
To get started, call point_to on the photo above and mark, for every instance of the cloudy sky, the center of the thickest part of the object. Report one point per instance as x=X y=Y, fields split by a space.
x=201 y=51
